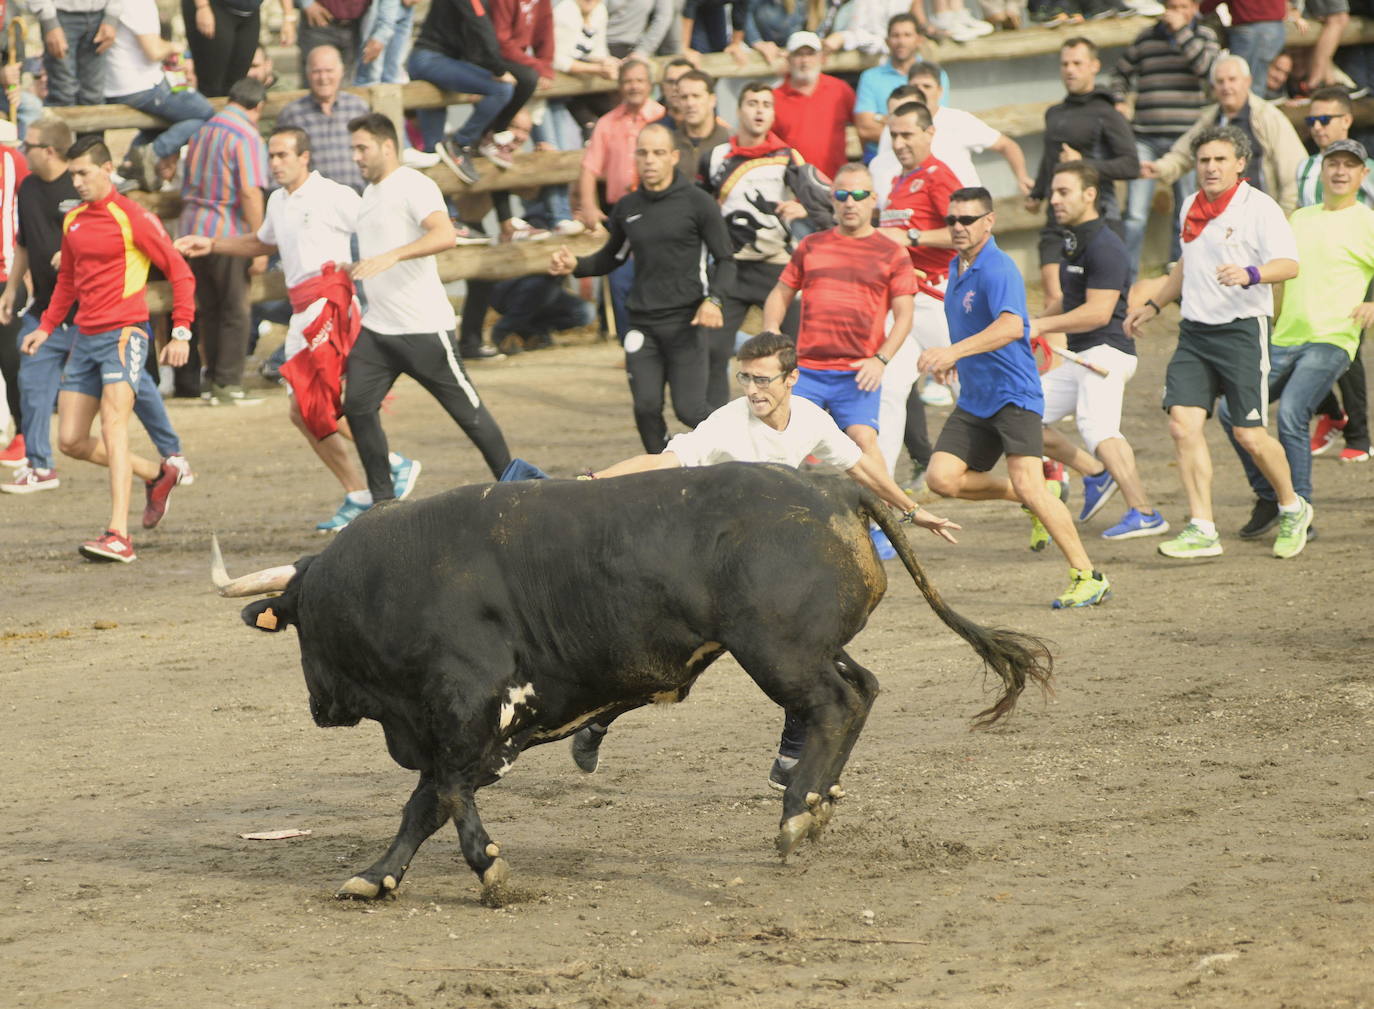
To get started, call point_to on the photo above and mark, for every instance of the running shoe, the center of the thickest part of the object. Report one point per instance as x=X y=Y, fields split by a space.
x=1146 y=8
x=417 y=159
x=1097 y=491
x=935 y=393
x=780 y=774
x=1086 y=588
x=569 y=228
x=28 y=480
x=1293 y=527
x=404 y=473
x=1040 y=537
x=183 y=467
x=347 y=512
x=109 y=547
x=1326 y=431
x=586 y=747
x=15 y=453
x=496 y=149
x=525 y=232
x=1192 y=542
x=1263 y=517
x=886 y=551
x=458 y=160
x=1134 y=524
x=1354 y=455
x=466 y=234
x=159 y=491
x=1059 y=473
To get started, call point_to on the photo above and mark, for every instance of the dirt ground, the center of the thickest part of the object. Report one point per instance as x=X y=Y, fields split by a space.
x=1186 y=822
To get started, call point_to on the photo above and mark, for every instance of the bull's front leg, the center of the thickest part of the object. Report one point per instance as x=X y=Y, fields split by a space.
x=424 y=813
x=481 y=852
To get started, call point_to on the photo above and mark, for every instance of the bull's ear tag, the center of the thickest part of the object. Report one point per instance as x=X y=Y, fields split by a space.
x=267 y=620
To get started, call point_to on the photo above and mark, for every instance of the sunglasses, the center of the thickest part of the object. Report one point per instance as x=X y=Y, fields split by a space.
x=1323 y=120
x=857 y=195
x=762 y=381
x=964 y=220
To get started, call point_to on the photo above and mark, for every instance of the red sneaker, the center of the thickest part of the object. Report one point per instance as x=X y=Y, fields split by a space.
x=159 y=491
x=110 y=547
x=15 y=453
x=1354 y=455
x=1328 y=428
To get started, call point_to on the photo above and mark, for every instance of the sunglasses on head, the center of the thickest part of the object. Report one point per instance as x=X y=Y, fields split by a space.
x=858 y=195
x=965 y=220
x=1323 y=120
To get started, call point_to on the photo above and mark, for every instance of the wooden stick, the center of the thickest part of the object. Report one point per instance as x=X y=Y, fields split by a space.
x=1069 y=355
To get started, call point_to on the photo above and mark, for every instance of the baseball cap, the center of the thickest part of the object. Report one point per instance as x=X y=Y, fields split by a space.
x=1347 y=147
x=8 y=133
x=803 y=40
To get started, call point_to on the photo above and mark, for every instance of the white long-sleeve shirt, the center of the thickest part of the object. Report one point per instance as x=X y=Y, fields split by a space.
x=575 y=39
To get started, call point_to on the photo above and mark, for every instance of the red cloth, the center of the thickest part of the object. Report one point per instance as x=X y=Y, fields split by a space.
x=524 y=30
x=814 y=124
x=13 y=169
x=920 y=199
x=106 y=248
x=847 y=286
x=1245 y=12
x=771 y=143
x=316 y=373
x=1204 y=210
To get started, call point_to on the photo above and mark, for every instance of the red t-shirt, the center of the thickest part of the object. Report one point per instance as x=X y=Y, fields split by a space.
x=13 y=169
x=920 y=199
x=815 y=124
x=847 y=286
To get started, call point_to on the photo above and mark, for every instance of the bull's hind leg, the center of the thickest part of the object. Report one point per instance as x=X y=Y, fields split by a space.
x=424 y=813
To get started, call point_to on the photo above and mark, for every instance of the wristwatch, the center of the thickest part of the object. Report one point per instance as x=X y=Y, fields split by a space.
x=882 y=359
x=181 y=333
x=914 y=235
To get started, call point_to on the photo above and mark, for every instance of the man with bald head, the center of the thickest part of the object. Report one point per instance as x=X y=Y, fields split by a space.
x=669 y=225
x=324 y=114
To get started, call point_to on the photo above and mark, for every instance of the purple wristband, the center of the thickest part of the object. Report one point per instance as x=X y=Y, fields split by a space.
x=1253 y=273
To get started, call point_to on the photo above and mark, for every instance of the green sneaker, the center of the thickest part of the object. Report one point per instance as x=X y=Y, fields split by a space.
x=1040 y=537
x=1293 y=531
x=1086 y=588
x=1192 y=542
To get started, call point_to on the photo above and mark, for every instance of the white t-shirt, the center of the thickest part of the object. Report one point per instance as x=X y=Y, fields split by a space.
x=409 y=297
x=734 y=434
x=127 y=68
x=958 y=136
x=1250 y=232
x=311 y=226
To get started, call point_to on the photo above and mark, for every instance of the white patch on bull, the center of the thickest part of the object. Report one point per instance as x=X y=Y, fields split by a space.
x=571 y=727
x=501 y=771
x=517 y=696
x=488 y=491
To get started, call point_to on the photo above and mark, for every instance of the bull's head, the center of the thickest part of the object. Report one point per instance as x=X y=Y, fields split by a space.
x=256 y=584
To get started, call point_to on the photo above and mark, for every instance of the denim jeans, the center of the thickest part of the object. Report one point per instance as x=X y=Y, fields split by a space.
x=558 y=128
x=449 y=74
x=30 y=110
x=536 y=306
x=1299 y=378
x=79 y=77
x=1257 y=44
x=388 y=68
x=1140 y=195
x=39 y=375
x=185 y=110
x=771 y=22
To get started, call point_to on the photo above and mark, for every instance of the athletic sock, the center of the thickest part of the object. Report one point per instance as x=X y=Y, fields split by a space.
x=360 y=497
x=1205 y=526
x=395 y=459
x=1292 y=509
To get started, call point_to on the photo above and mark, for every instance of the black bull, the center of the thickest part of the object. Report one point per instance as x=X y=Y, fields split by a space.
x=490 y=618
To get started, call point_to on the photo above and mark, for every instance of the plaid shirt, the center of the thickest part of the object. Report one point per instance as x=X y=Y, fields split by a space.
x=331 y=152
x=224 y=157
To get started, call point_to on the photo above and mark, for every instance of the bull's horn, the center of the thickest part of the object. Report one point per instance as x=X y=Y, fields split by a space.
x=259 y=582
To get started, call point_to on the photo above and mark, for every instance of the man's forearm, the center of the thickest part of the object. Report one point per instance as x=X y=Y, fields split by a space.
x=871 y=472
x=1012 y=153
x=1276 y=271
x=775 y=308
x=247 y=246
x=641 y=464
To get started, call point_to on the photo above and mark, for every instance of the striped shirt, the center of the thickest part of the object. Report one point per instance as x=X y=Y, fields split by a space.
x=1168 y=71
x=224 y=157
x=331 y=147
x=1310 y=182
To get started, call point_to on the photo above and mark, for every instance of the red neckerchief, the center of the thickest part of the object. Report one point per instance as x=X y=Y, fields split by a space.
x=771 y=143
x=1204 y=210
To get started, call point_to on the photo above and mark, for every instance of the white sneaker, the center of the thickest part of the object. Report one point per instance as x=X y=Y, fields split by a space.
x=412 y=158
x=569 y=228
x=525 y=232
x=1147 y=8
x=936 y=394
x=948 y=22
x=965 y=17
x=28 y=480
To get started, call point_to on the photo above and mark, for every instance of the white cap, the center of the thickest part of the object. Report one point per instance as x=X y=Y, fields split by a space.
x=8 y=133
x=803 y=40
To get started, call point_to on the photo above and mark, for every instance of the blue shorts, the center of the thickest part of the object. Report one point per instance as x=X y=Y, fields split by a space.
x=838 y=393
x=101 y=359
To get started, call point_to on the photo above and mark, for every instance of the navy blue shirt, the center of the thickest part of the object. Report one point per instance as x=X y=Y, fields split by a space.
x=1095 y=258
x=976 y=297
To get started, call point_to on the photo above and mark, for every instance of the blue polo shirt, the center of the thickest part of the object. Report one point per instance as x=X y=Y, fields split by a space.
x=875 y=84
x=973 y=301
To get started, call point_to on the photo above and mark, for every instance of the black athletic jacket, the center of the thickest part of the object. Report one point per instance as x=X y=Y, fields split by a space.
x=670 y=233
x=1090 y=125
x=461 y=30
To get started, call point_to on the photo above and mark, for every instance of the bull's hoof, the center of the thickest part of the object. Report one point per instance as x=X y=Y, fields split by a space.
x=820 y=819
x=496 y=874
x=792 y=831
x=362 y=888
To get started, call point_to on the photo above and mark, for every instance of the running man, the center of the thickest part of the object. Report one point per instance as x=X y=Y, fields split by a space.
x=1094 y=276
x=108 y=242
x=409 y=322
x=1236 y=243
x=1000 y=403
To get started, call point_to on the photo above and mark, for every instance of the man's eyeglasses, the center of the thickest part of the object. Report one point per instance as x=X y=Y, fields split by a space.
x=1323 y=120
x=964 y=220
x=762 y=381
x=858 y=195
x=26 y=147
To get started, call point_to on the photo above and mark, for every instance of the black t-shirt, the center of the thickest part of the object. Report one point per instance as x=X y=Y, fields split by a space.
x=41 y=207
x=1095 y=258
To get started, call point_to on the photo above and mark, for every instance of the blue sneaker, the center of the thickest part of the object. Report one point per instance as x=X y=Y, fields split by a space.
x=1097 y=491
x=347 y=512
x=1134 y=524
x=403 y=477
x=886 y=551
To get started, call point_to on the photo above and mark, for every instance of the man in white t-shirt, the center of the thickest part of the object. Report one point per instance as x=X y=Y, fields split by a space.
x=134 y=77
x=1236 y=243
x=408 y=324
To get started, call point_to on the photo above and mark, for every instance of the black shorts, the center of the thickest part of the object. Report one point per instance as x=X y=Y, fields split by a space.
x=981 y=441
x=1320 y=10
x=1231 y=360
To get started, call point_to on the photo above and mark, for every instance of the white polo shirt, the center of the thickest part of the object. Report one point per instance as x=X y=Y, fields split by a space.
x=409 y=297
x=734 y=434
x=127 y=68
x=1250 y=232
x=311 y=226
x=958 y=136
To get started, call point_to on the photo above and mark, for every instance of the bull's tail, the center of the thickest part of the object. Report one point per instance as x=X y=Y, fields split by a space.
x=1016 y=658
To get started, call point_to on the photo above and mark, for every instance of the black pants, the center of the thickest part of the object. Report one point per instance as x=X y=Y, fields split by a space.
x=219 y=336
x=224 y=59
x=917 y=435
x=753 y=283
x=671 y=351
x=526 y=80
x=9 y=365
x=432 y=360
x=475 y=305
x=1355 y=396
